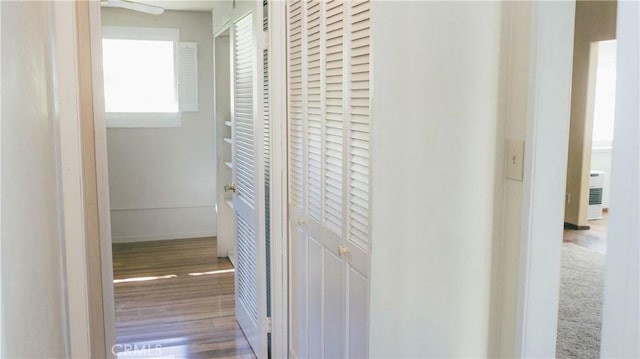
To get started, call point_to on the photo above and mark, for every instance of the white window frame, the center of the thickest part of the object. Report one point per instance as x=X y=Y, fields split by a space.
x=600 y=145
x=146 y=119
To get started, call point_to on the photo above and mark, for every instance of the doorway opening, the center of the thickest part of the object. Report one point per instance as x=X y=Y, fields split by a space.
x=169 y=151
x=584 y=243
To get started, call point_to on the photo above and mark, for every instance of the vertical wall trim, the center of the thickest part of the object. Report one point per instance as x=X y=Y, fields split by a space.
x=102 y=179
x=2 y=351
x=500 y=186
x=543 y=195
x=279 y=201
x=72 y=179
x=90 y=178
x=621 y=310
x=56 y=119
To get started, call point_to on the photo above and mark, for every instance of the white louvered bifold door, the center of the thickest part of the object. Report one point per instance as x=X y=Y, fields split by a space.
x=329 y=177
x=248 y=200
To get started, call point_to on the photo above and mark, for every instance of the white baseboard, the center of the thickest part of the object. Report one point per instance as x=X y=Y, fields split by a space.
x=162 y=237
x=232 y=258
x=160 y=224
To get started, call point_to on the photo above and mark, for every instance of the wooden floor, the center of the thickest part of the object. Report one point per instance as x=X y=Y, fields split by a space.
x=165 y=305
x=594 y=239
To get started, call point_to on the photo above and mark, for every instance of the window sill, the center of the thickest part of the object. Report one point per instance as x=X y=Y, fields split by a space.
x=601 y=149
x=143 y=120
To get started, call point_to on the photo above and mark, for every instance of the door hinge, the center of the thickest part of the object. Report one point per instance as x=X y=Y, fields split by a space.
x=266 y=39
x=269 y=325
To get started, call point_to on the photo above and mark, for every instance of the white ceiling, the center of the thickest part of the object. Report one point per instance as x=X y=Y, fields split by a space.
x=185 y=5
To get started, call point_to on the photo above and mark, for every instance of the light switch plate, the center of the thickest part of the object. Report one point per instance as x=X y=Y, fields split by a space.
x=514 y=159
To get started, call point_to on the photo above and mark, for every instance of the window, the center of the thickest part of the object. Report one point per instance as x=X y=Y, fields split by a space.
x=140 y=77
x=605 y=95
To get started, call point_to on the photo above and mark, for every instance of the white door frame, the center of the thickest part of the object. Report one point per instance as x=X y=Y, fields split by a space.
x=621 y=311
x=89 y=332
x=216 y=36
x=277 y=42
x=544 y=187
x=546 y=146
x=102 y=174
x=67 y=98
x=279 y=234
x=102 y=177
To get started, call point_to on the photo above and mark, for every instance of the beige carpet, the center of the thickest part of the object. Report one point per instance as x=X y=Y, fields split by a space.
x=580 y=310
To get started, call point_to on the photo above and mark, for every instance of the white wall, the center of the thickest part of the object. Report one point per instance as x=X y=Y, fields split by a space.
x=621 y=312
x=436 y=69
x=33 y=313
x=162 y=180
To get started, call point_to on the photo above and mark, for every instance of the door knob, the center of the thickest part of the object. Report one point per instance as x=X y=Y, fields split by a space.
x=342 y=250
x=231 y=188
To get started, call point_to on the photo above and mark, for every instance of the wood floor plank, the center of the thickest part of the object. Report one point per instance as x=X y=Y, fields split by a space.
x=163 y=300
x=594 y=239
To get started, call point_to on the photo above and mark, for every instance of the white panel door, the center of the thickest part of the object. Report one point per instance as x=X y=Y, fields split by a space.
x=248 y=199
x=328 y=124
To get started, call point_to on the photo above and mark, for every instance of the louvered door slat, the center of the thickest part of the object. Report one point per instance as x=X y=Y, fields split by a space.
x=314 y=111
x=243 y=110
x=249 y=246
x=334 y=114
x=329 y=175
x=296 y=128
x=360 y=124
x=266 y=138
x=247 y=261
x=359 y=173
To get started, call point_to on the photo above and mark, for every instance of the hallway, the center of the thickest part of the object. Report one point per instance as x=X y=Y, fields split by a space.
x=162 y=303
